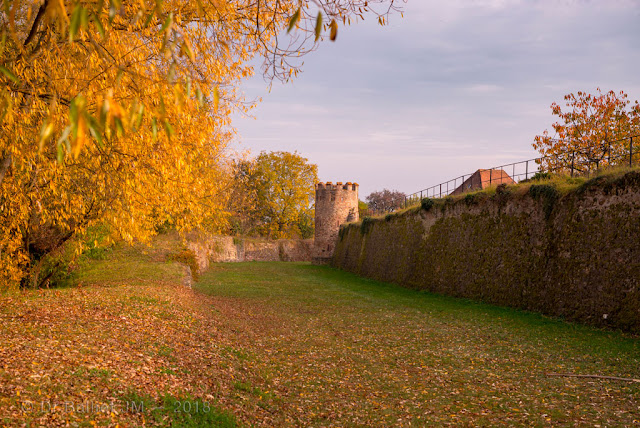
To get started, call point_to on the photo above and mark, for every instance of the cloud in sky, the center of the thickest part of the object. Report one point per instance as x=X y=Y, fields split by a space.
x=452 y=87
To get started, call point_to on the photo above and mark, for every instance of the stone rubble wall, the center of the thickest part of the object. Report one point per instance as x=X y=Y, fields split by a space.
x=216 y=248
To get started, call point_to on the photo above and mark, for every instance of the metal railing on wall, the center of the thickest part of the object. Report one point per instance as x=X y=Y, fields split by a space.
x=578 y=162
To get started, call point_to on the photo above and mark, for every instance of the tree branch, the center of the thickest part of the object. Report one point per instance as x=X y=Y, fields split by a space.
x=4 y=166
x=36 y=23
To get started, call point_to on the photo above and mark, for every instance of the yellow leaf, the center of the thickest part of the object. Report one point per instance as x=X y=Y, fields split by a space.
x=216 y=97
x=318 y=28
x=80 y=137
x=294 y=20
x=334 y=30
x=45 y=134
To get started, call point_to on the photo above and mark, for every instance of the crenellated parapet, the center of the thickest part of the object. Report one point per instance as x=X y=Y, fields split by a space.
x=338 y=186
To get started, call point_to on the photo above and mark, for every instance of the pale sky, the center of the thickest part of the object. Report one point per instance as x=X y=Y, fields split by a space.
x=453 y=86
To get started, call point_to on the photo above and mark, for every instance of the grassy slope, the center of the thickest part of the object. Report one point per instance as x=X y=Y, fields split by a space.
x=293 y=344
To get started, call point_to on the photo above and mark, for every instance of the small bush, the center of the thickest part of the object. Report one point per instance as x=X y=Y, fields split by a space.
x=56 y=268
x=541 y=176
x=426 y=204
x=388 y=217
x=188 y=258
x=543 y=191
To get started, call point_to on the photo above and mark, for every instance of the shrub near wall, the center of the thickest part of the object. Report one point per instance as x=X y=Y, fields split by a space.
x=574 y=255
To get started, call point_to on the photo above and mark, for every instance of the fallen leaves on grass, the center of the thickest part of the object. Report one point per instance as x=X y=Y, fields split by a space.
x=280 y=344
x=73 y=356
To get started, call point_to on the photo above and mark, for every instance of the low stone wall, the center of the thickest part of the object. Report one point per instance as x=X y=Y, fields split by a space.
x=575 y=256
x=211 y=249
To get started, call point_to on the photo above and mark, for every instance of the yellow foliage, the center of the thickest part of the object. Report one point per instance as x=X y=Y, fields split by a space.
x=274 y=195
x=104 y=111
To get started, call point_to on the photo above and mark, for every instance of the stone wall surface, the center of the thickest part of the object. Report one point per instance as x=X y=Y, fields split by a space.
x=215 y=248
x=575 y=255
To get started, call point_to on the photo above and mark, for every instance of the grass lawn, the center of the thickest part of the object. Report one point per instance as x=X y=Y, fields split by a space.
x=288 y=344
x=327 y=347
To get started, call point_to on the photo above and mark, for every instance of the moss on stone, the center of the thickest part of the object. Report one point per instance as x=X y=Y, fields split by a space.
x=548 y=194
x=365 y=225
x=572 y=253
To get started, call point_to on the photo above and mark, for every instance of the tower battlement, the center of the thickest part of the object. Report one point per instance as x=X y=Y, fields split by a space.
x=335 y=204
x=338 y=186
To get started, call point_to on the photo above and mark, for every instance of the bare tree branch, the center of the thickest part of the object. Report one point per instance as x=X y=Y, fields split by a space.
x=4 y=166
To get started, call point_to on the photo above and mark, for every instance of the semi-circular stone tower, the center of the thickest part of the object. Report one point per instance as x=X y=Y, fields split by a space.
x=335 y=204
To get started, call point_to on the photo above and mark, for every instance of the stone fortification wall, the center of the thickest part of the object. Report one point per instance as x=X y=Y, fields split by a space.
x=212 y=249
x=573 y=254
x=335 y=204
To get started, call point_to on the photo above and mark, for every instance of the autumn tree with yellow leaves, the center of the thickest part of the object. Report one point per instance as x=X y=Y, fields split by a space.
x=274 y=196
x=593 y=131
x=119 y=112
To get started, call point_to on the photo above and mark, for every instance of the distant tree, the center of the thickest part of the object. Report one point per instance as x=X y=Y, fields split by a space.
x=241 y=199
x=274 y=196
x=363 y=209
x=386 y=200
x=594 y=129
